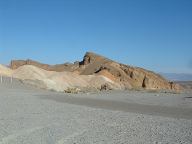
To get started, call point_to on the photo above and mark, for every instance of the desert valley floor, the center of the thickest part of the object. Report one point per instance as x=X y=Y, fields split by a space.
x=33 y=116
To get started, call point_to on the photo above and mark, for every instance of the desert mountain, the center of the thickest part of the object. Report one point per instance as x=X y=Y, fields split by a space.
x=93 y=64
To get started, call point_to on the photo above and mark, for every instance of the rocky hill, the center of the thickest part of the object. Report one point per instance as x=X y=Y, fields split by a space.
x=126 y=76
x=58 y=68
x=58 y=81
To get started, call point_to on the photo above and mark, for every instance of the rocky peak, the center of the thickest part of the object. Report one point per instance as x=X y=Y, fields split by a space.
x=91 y=57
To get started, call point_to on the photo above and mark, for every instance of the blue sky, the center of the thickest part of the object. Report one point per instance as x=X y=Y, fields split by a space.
x=153 y=34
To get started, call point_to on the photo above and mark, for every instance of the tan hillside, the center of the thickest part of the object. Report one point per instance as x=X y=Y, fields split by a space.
x=5 y=71
x=60 y=81
x=124 y=75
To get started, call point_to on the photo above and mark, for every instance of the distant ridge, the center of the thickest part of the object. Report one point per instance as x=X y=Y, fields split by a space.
x=58 y=67
x=177 y=77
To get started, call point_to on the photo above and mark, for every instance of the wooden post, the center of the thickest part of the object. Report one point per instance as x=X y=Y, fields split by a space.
x=11 y=79
x=1 y=79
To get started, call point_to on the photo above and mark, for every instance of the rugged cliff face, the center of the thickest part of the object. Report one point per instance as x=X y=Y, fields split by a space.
x=127 y=76
x=93 y=64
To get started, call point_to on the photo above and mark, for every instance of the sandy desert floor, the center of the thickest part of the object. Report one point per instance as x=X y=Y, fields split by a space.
x=33 y=116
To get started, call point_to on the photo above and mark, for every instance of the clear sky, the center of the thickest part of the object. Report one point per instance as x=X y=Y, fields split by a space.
x=153 y=34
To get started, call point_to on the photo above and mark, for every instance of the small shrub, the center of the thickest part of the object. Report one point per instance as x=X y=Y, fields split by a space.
x=72 y=90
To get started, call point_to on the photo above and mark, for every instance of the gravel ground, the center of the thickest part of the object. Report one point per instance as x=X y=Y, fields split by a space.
x=33 y=116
